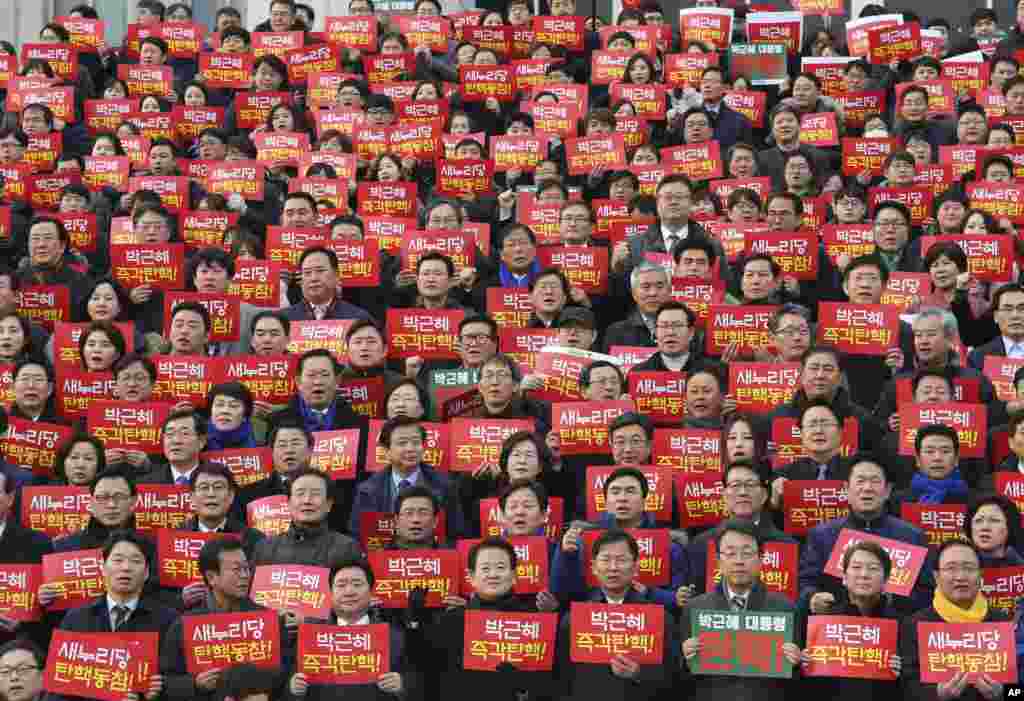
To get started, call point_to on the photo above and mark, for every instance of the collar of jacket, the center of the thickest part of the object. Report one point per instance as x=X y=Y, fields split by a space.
x=95 y=528
x=509 y=602
x=301 y=533
x=862 y=524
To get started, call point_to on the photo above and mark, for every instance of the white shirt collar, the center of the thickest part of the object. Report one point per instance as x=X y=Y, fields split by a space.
x=675 y=364
x=175 y=475
x=3 y=527
x=131 y=605
x=364 y=621
x=1013 y=349
x=204 y=529
x=610 y=600
x=730 y=594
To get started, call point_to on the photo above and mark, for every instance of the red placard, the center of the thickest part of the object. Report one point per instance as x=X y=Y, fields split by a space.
x=867 y=155
x=698 y=294
x=697 y=161
x=161 y=506
x=1001 y=200
x=1000 y=371
x=400 y=571
x=44 y=189
x=63 y=58
x=202 y=228
x=941 y=98
x=585 y=154
x=466 y=177
x=560 y=368
x=225 y=313
x=269 y=515
x=317 y=58
x=775 y=28
x=220 y=640
x=1003 y=587
x=81 y=228
x=327 y=333
x=700 y=499
x=857 y=106
x=531 y=564
x=903 y=289
x=477 y=83
x=358 y=262
x=246 y=178
x=555 y=119
x=761 y=387
x=948 y=649
x=808 y=503
x=189 y=122
x=940 y=522
x=76 y=389
x=354 y=32
x=659 y=395
x=146 y=79
x=658 y=502
x=428 y=333
x=490 y=525
x=907 y=559
x=18 y=587
x=779 y=563
x=178 y=554
x=523 y=344
x=785 y=437
x=300 y=589
x=42 y=153
x=86 y=34
x=45 y=304
x=420 y=31
x=649 y=99
x=690 y=451
x=990 y=257
x=819 y=129
x=600 y=632
x=128 y=425
x=280 y=148
x=277 y=43
x=888 y=44
x=965 y=75
x=749 y=103
x=103 y=666
x=173 y=190
x=381 y=68
x=186 y=378
x=542 y=218
x=15 y=181
x=8 y=69
x=819 y=7
x=851 y=240
x=247 y=465
x=33 y=445
x=583 y=426
x=253 y=108
x=744 y=325
x=160 y=265
x=970 y=421
x=377 y=529
x=517 y=152
x=796 y=253
x=510 y=307
x=106 y=171
x=285 y=245
x=386 y=199
x=708 y=25
x=918 y=200
x=683 y=70
x=330 y=654
x=77 y=577
x=859 y=329
x=225 y=70
x=851 y=646
x=477 y=442
x=563 y=31
x=56 y=511
x=257 y=282
x=336 y=453
x=585 y=266
x=525 y=640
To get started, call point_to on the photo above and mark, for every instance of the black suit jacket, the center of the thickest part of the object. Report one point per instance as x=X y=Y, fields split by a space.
x=976 y=358
x=732 y=127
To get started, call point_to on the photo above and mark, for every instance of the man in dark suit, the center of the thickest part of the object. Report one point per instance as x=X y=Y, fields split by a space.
x=785 y=124
x=124 y=609
x=730 y=126
x=321 y=289
x=403 y=438
x=651 y=287
x=1008 y=310
x=739 y=551
x=183 y=436
x=291 y=445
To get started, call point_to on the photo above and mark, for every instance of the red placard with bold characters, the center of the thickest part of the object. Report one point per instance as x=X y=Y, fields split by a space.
x=559 y=120
x=697 y=161
x=970 y=421
x=761 y=387
x=358 y=262
x=45 y=304
x=128 y=425
x=299 y=588
x=682 y=70
x=563 y=31
x=907 y=559
x=659 y=395
x=585 y=266
x=990 y=257
x=689 y=451
x=285 y=245
x=851 y=240
x=819 y=129
x=178 y=554
x=1003 y=587
x=918 y=200
x=63 y=58
x=354 y=32
x=224 y=70
x=750 y=103
x=607 y=67
x=477 y=442
x=186 y=378
x=698 y=294
x=477 y=83
x=400 y=571
x=44 y=189
x=586 y=153
x=77 y=577
x=146 y=80
x=659 y=496
x=700 y=499
x=102 y=666
x=940 y=522
x=257 y=282
x=377 y=529
x=277 y=43
x=247 y=465
x=219 y=640
x=600 y=632
x=744 y=325
x=796 y=253
x=941 y=98
x=531 y=563
x=18 y=587
x=867 y=154
x=225 y=313
x=330 y=654
x=280 y=148
x=517 y=152
x=56 y=511
x=428 y=333
x=707 y=25
x=525 y=640
x=160 y=265
x=853 y=647
x=76 y=389
x=162 y=506
x=649 y=99
x=326 y=333
x=381 y=68
x=1000 y=371
x=253 y=108
x=33 y=445
x=948 y=649
x=386 y=199
x=436 y=447
x=202 y=228
x=903 y=289
x=779 y=563
x=859 y=329
x=888 y=44
x=336 y=453
x=269 y=515
x=583 y=426
x=464 y=177
x=808 y=503
x=317 y=58
x=81 y=228
x=246 y=178
x=432 y=32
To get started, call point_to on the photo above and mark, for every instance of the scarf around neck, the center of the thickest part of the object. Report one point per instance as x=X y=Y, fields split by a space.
x=509 y=280
x=241 y=437
x=951 y=613
x=930 y=491
x=315 y=421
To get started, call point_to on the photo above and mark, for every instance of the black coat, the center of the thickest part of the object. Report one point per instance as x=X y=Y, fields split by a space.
x=697 y=550
x=632 y=331
x=24 y=546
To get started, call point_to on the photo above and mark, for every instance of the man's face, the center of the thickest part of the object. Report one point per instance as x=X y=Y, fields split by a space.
x=151 y=228
x=867 y=488
x=189 y=334
x=497 y=384
x=674 y=202
x=820 y=432
x=630 y=446
x=694 y=263
x=476 y=344
x=712 y=88
x=863 y=285
x=211 y=278
x=72 y=202
x=576 y=335
x=212 y=497
x=319 y=279
x=932 y=390
x=227 y=412
x=624 y=499
x=405 y=448
x=309 y=502
x=112 y=502
x=651 y=291
x=269 y=338
x=792 y=337
x=125 y=570
x=350 y=593
x=181 y=441
x=32 y=388
x=45 y=247
x=937 y=458
x=621 y=189
x=785 y=128
x=548 y=295
x=950 y=215
x=522 y=515
x=805 y=93
x=914 y=106
x=856 y=79
x=744 y=493
x=366 y=348
x=759 y=282
x=615 y=567
x=864 y=575
x=134 y=384
x=930 y=342
x=298 y=213
x=318 y=383
x=493 y=575
x=151 y=55
x=575 y=226
x=281 y=17
x=605 y=385
x=518 y=252
x=33 y=122
x=232 y=579
x=1002 y=72
x=416 y=521
x=21 y=678
x=291 y=450
x=1010 y=315
x=740 y=560
x=957 y=575
x=673 y=332
x=432 y=279
x=780 y=215
x=972 y=128
x=161 y=160
x=703 y=397
x=11 y=150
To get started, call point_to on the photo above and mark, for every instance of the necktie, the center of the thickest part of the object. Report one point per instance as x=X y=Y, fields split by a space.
x=402 y=486
x=673 y=239
x=739 y=603
x=120 y=616
x=214 y=349
x=822 y=471
x=183 y=480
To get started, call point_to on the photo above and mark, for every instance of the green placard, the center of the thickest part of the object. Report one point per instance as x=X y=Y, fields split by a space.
x=448 y=383
x=742 y=643
x=761 y=64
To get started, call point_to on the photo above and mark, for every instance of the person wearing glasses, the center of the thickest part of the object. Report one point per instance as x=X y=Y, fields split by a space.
x=213 y=489
x=183 y=435
x=868 y=488
x=225 y=569
x=958 y=599
x=674 y=334
x=938 y=478
x=499 y=385
x=48 y=241
x=1004 y=338
x=21 y=671
x=821 y=435
x=111 y=508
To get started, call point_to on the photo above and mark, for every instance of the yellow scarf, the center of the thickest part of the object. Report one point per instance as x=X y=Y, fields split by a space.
x=951 y=613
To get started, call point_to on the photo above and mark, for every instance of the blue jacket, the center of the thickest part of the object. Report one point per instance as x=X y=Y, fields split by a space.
x=822 y=538
x=732 y=127
x=377 y=493
x=568 y=580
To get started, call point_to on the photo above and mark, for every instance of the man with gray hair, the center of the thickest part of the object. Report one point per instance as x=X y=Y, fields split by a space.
x=935 y=338
x=651 y=286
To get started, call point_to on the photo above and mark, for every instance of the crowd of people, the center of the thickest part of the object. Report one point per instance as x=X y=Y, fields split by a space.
x=550 y=243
